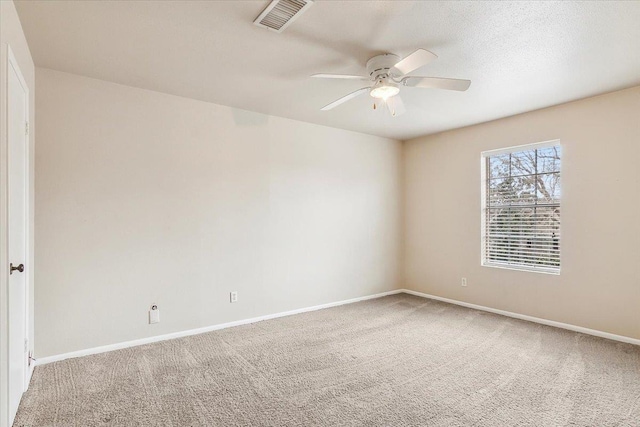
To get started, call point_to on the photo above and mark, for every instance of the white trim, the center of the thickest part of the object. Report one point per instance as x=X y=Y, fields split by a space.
x=530 y=269
x=553 y=323
x=142 y=341
x=12 y=66
x=483 y=203
x=523 y=147
x=4 y=262
x=29 y=375
x=157 y=338
x=13 y=63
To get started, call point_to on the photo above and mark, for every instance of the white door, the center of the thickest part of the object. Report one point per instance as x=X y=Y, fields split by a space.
x=17 y=132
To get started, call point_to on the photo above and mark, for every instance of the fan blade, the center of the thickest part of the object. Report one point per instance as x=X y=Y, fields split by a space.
x=345 y=98
x=396 y=106
x=417 y=59
x=437 y=83
x=340 y=76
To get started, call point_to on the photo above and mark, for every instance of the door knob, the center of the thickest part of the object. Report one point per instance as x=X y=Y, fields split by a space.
x=20 y=268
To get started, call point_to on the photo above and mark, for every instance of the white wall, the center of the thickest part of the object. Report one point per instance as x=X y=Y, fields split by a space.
x=148 y=198
x=11 y=34
x=599 y=285
x=145 y=198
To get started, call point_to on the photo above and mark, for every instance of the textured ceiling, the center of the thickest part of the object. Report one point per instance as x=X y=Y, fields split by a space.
x=520 y=56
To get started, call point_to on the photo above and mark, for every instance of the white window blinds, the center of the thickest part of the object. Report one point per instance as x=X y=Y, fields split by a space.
x=521 y=218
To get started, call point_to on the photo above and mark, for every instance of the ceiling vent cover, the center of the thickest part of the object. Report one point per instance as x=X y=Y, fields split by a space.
x=280 y=13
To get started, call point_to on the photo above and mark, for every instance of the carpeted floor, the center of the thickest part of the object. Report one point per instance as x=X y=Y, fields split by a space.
x=395 y=361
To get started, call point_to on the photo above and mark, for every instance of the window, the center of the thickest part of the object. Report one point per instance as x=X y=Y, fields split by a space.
x=521 y=207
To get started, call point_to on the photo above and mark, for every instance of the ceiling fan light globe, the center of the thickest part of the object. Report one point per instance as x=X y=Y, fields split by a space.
x=384 y=91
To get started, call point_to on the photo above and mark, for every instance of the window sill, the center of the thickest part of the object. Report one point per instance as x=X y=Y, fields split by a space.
x=554 y=272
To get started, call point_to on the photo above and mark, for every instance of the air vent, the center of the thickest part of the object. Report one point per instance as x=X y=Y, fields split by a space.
x=280 y=13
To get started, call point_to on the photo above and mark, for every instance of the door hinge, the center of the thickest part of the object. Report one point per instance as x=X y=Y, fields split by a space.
x=26 y=128
x=26 y=345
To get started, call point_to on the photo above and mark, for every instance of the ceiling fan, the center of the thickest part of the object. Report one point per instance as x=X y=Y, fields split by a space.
x=388 y=73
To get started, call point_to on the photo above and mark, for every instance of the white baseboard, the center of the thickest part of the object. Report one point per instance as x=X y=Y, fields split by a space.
x=102 y=349
x=553 y=323
x=133 y=343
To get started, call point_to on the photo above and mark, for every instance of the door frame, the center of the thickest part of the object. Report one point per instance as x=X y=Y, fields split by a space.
x=7 y=63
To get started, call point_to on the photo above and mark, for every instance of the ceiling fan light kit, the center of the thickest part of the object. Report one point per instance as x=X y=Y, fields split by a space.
x=384 y=90
x=387 y=73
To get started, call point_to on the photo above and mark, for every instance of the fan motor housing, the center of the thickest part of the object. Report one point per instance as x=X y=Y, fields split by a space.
x=380 y=65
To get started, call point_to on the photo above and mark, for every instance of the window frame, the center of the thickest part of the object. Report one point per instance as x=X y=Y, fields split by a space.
x=483 y=203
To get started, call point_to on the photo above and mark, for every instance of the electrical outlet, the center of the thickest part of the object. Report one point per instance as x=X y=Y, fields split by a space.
x=233 y=297
x=154 y=314
x=464 y=281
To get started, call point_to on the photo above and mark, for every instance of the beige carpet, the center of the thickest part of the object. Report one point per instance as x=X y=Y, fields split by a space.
x=394 y=361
